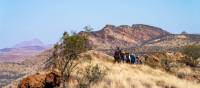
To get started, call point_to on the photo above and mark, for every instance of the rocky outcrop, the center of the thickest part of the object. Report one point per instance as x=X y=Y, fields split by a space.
x=175 y=40
x=49 y=80
x=124 y=35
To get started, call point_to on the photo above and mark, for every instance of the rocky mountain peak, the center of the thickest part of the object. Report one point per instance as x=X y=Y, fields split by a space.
x=109 y=26
x=140 y=26
x=124 y=35
x=124 y=27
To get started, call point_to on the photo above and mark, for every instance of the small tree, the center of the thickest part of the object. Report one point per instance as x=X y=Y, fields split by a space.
x=184 y=32
x=193 y=53
x=88 y=28
x=67 y=51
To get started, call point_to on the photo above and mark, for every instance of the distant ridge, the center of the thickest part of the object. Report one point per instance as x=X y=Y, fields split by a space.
x=22 y=50
x=111 y=36
x=33 y=45
x=33 y=42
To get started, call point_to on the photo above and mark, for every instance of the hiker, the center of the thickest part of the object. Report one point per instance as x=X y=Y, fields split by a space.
x=133 y=59
x=139 y=61
x=123 y=56
x=117 y=55
x=127 y=60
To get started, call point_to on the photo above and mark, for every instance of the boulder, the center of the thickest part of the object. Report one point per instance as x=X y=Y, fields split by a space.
x=48 y=80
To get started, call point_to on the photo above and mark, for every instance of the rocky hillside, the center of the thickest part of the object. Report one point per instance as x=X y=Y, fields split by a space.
x=139 y=38
x=124 y=35
x=119 y=75
x=175 y=40
x=175 y=63
x=170 y=42
x=10 y=71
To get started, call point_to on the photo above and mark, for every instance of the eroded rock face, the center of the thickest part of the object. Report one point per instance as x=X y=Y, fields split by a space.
x=124 y=35
x=52 y=80
x=49 y=80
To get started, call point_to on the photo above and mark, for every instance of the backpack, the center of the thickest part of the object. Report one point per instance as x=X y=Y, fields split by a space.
x=133 y=59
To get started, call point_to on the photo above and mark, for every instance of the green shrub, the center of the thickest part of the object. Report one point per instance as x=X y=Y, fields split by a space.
x=192 y=53
x=91 y=75
x=181 y=75
x=165 y=63
x=190 y=61
x=150 y=61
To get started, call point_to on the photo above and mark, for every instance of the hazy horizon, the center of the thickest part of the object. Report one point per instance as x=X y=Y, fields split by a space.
x=23 y=20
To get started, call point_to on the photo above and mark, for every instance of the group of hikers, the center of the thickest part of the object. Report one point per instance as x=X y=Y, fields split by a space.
x=125 y=57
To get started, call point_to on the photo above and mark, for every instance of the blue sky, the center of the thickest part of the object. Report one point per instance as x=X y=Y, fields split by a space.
x=47 y=19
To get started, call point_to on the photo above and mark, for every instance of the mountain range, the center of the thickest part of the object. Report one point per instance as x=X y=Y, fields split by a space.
x=144 y=37
x=22 y=50
x=139 y=38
